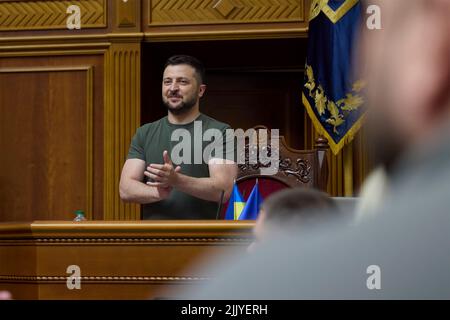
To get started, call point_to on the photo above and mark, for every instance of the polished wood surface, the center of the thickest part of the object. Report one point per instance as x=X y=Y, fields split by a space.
x=41 y=15
x=225 y=19
x=51 y=136
x=159 y=20
x=118 y=260
x=46 y=145
x=165 y=12
x=122 y=117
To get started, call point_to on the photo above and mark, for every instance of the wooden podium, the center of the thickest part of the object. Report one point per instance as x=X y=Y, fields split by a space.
x=117 y=260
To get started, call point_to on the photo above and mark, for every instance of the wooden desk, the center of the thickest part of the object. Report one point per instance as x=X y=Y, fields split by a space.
x=118 y=260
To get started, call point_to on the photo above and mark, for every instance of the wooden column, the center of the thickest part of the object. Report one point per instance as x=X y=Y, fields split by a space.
x=122 y=104
x=348 y=170
x=122 y=117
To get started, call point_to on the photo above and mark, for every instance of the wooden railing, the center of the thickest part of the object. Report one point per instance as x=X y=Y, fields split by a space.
x=116 y=260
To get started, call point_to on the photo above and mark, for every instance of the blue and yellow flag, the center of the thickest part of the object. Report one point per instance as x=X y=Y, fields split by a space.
x=332 y=97
x=235 y=204
x=253 y=204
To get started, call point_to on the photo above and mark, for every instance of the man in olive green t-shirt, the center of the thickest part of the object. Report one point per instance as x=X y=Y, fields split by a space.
x=190 y=186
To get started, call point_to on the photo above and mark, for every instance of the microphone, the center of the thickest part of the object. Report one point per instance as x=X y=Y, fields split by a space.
x=220 y=205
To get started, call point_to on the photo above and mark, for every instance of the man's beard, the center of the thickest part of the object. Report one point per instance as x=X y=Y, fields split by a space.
x=182 y=108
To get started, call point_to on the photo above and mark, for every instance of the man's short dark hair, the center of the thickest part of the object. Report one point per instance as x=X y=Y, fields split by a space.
x=303 y=204
x=190 y=61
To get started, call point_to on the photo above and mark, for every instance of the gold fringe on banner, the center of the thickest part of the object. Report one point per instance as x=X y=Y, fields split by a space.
x=347 y=138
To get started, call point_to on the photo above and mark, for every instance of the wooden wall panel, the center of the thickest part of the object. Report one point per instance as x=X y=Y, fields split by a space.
x=245 y=100
x=46 y=138
x=128 y=15
x=51 y=137
x=224 y=19
x=50 y=14
x=167 y=12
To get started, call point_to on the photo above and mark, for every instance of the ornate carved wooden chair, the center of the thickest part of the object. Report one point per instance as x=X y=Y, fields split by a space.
x=297 y=168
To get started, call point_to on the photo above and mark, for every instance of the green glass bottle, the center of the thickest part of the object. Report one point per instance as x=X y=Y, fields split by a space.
x=79 y=216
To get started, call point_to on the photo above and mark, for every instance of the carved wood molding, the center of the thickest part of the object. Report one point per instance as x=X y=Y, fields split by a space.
x=295 y=167
x=300 y=168
x=236 y=34
x=50 y=14
x=105 y=279
x=212 y=242
x=149 y=229
x=181 y=12
x=140 y=240
x=122 y=118
x=127 y=13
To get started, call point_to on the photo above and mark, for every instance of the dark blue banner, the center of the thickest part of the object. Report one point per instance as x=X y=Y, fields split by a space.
x=331 y=95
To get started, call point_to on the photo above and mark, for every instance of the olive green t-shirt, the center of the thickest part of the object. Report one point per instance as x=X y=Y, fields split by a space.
x=153 y=138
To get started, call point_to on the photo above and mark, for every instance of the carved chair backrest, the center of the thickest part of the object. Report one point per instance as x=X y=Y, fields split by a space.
x=296 y=168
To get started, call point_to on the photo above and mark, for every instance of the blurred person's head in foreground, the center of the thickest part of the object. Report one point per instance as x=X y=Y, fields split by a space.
x=407 y=68
x=294 y=207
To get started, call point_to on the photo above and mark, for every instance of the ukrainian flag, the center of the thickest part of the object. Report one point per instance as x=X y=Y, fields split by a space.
x=235 y=205
x=252 y=205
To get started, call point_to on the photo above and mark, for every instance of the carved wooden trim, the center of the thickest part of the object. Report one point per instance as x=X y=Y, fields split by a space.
x=89 y=121
x=50 y=14
x=300 y=169
x=122 y=118
x=235 y=34
x=90 y=142
x=133 y=241
x=181 y=12
x=127 y=13
x=49 y=51
x=138 y=240
x=44 y=69
x=296 y=167
x=132 y=232
x=79 y=40
x=106 y=279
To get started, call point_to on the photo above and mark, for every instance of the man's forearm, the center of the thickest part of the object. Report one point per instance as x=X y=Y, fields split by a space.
x=135 y=191
x=203 y=188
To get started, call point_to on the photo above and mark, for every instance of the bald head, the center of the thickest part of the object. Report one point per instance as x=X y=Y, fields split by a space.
x=407 y=68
